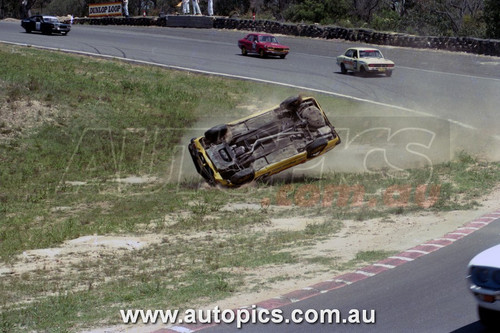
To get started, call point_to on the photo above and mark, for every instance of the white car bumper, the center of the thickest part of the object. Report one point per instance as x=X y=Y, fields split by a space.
x=486 y=298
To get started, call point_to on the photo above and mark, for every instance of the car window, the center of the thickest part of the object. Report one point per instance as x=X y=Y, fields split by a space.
x=267 y=39
x=370 y=54
x=348 y=54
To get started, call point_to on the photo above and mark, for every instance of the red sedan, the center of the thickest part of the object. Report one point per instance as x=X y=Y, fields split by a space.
x=263 y=45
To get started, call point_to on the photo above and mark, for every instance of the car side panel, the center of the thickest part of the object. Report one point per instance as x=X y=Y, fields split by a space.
x=28 y=25
x=349 y=63
x=245 y=43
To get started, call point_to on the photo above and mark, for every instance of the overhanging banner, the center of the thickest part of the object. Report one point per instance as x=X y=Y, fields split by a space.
x=105 y=9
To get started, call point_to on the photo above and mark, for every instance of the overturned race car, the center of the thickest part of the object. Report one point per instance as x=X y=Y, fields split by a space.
x=264 y=143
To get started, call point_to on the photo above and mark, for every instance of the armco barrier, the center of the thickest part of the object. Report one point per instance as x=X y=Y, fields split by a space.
x=489 y=47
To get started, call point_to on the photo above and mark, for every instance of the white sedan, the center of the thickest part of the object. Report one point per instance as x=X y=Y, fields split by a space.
x=484 y=283
x=364 y=60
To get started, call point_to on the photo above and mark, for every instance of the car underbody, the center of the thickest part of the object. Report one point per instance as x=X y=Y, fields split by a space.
x=239 y=150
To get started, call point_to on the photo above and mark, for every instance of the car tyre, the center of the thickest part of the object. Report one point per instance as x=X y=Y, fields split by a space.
x=261 y=53
x=291 y=103
x=362 y=71
x=343 y=70
x=316 y=147
x=488 y=318
x=388 y=73
x=244 y=51
x=283 y=56
x=216 y=133
x=243 y=176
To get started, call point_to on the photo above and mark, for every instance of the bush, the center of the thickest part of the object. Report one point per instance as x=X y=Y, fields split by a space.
x=492 y=18
x=387 y=20
x=230 y=7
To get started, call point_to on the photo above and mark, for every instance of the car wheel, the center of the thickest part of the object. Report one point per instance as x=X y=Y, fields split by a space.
x=488 y=318
x=28 y=30
x=362 y=71
x=283 y=56
x=244 y=51
x=216 y=133
x=193 y=153
x=343 y=70
x=388 y=73
x=261 y=53
x=243 y=176
x=291 y=103
x=316 y=147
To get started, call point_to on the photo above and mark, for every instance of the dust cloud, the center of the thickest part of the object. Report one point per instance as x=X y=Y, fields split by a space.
x=373 y=140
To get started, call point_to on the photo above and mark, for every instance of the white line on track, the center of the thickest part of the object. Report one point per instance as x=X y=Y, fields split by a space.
x=451 y=74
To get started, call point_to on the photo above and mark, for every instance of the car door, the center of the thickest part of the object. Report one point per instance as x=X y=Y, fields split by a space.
x=349 y=59
x=355 y=57
x=245 y=42
x=28 y=24
x=38 y=23
x=255 y=39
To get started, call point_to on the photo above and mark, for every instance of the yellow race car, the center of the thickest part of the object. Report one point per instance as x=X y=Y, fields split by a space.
x=264 y=143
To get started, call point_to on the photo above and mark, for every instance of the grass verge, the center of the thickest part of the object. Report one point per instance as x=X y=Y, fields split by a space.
x=75 y=131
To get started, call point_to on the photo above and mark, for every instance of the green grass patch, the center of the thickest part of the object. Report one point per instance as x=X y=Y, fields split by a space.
x=79 y=126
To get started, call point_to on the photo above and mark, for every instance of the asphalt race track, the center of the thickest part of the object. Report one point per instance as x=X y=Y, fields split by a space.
x=428 y=294
x=425 y=295
x=460 y=87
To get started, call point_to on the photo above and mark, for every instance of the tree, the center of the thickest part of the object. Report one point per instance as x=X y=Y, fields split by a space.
x=25 y=8
x=492 y=18
x=364 y=9
x=401 y=7
x=77 y=8
x=231 y=7
x=474 y=18
x=315 y=11
x=307 y=10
